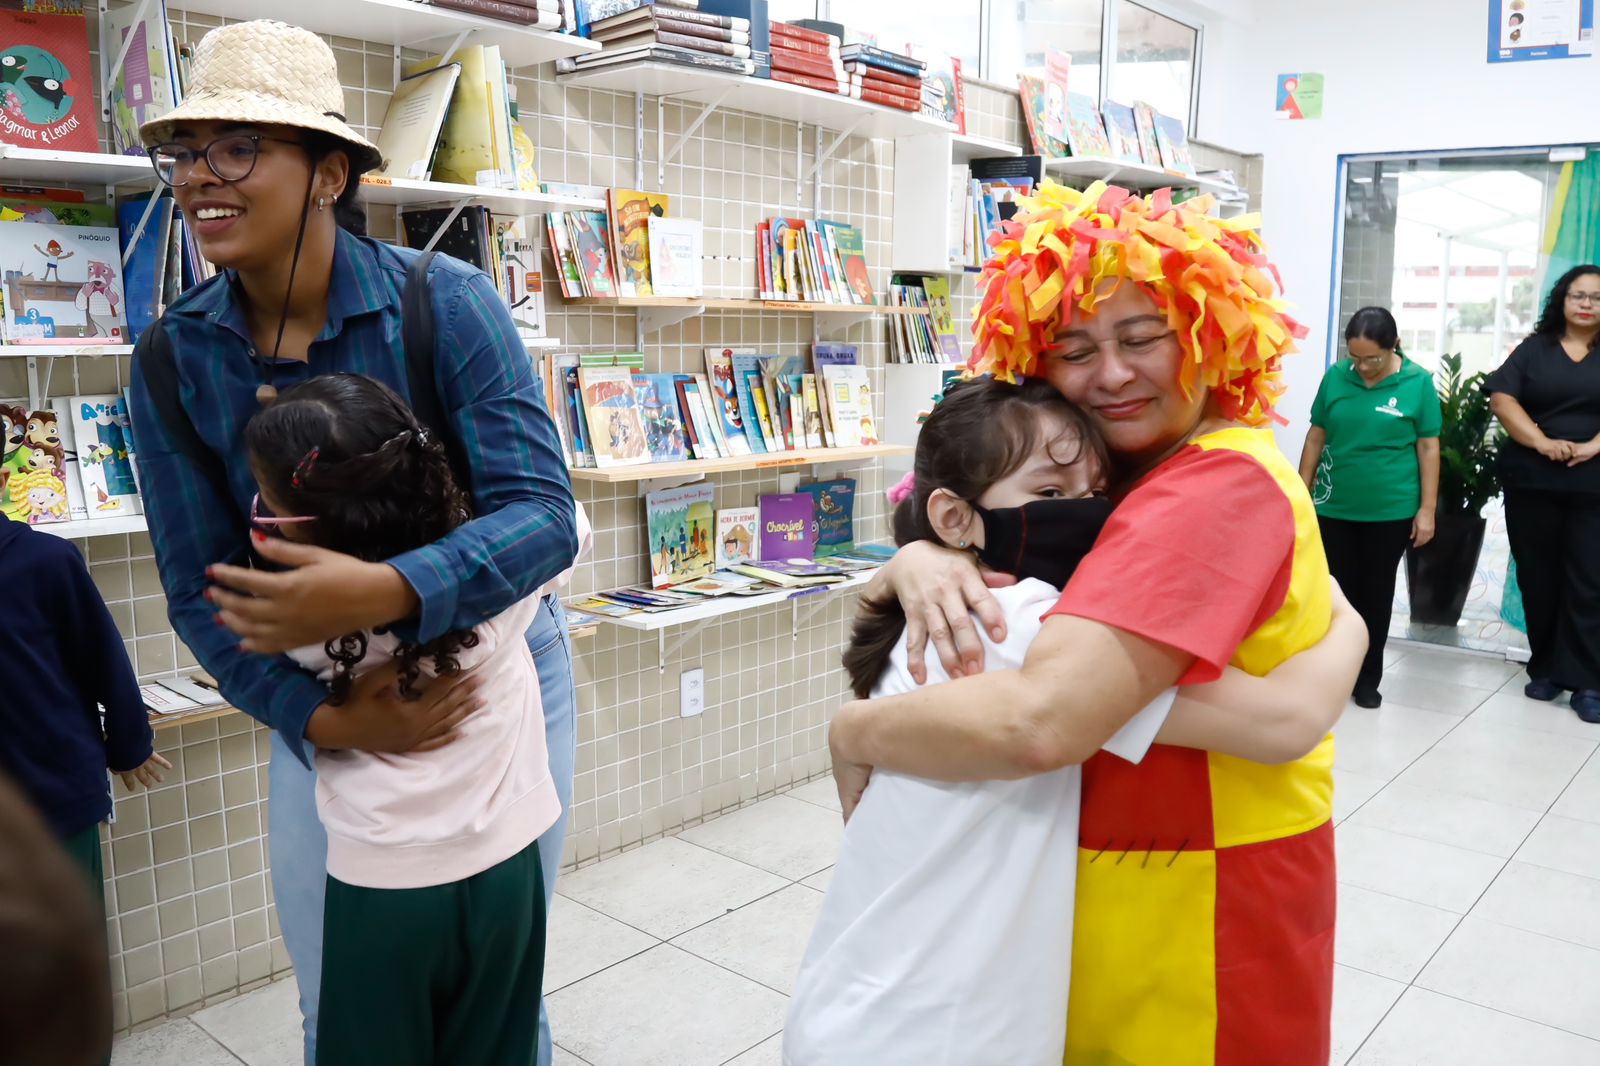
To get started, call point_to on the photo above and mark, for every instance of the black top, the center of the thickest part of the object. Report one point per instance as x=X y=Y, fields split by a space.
x=1563 y=399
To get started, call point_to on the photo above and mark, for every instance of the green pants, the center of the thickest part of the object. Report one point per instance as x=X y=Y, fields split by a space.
x=441 y=976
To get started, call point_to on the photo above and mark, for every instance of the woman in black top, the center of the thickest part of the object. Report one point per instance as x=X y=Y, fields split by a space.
x=1547 y=395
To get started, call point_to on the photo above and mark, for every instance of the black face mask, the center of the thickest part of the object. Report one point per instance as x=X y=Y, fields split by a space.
x=1045 y=539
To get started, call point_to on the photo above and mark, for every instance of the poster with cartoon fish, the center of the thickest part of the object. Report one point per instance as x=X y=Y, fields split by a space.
x=47 y=97
x=104 y=440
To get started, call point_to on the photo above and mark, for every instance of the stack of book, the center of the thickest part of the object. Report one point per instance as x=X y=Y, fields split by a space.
x=818 y=262
x=534 y=14
x=807 y=57
x=880 y=76
x=665 y=31
x=930 y=338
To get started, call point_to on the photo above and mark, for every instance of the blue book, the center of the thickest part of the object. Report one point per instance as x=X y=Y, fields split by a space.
x=657 y=395
x=146 y=265
x=743 y=367
x=835 y=515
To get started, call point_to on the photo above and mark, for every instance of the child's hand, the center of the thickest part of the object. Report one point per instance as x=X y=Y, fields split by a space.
x=149 y=774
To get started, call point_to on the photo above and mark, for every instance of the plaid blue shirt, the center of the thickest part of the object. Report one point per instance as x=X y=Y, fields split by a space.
x=526 y=531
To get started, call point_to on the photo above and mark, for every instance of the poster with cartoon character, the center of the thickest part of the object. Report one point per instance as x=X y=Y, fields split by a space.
x=62 y=282
x=47 y=95
x=105 y=464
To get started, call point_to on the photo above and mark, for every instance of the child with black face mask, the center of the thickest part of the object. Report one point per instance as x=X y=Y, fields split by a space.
x=945 y=936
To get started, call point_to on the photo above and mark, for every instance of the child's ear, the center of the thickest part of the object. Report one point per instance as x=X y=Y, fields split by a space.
x=954 y=520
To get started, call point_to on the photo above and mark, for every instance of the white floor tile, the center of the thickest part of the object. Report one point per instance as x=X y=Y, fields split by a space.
x=764 y=941
x=664 y=1008
x=667 y=887
x=822 y=792
x=1386 y=935
x=567 y=1058
x=1535 y=977
x=1470 y=671
x=580 y=941
x=1360 y=1001
x=1510 y=707
x=261 y=1027
x=1477 y=825
x=784 y=836
x=1393 y=653
x=1422 y=871
x=767 y=1053
x=1564 y=844
x=1382 y=742
x=820 y=881
x=1501 y=764
x=1425 y=1029
x=1351 y=790
x=1581 y=800
x=1431 y=694
x=1552 y=902
x=170 y=1043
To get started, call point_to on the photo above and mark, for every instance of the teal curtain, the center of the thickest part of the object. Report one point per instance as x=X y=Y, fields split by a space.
x=1576 y=239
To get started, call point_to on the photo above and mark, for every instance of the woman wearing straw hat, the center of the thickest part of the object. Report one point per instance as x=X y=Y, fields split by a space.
x=1205 y=906
x=265 y=169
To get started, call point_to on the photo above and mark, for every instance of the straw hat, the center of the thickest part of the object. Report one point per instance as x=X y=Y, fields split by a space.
x=267 y=72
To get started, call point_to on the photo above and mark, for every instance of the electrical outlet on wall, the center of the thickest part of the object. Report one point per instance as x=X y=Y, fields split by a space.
x=692 y=692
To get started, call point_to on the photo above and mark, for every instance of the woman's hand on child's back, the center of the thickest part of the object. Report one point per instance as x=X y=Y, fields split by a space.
x=375 y=718
x=147 y=774
x=323 y=595
x=940 y=589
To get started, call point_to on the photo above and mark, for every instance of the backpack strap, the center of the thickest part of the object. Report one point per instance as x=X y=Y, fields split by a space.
x=417 y=337
x=154 y=359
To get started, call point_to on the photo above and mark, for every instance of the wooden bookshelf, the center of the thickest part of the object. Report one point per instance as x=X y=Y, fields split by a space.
x=694 y=468
x=794 y=307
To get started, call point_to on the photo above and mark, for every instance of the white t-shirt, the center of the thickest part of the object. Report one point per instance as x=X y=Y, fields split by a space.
x=946 y=935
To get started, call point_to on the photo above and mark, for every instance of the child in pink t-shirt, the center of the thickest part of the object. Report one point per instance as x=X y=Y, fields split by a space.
x=435 y=897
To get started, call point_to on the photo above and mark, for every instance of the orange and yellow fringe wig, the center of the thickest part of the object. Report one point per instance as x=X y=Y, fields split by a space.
x=1209 y=276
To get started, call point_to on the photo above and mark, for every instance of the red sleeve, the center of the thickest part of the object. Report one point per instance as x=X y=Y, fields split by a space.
x=1196 y=558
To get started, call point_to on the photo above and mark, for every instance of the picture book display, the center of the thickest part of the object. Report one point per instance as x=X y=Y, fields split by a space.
x=611 y=411
x=737 y=531
x=677 y=266
x=658 y=412
x=1032 y=91
x=850 y=406
x=60 y=282
x=1057 y=72
x=817 y=261
x=47 y=88
x=1173 y=144
x=416 y=117
x=147 y=84
x=1086 y=132
x=682 y=530
x=630 y=237
x=1122 y=130
x=834 y=507
x=475 y=141
x=724 y=398
x=592 y=251
x=33 y=473
x=788 y=527
x=1144 y=118
x=104 y=439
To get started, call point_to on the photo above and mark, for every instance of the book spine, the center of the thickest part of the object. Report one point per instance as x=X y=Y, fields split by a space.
x=806 y=80
x=703 y=44
x=873 y=96
x=815 y=66
x=804 y=48
x=891 y=89
x=732 y=35
x=660 y=13
x=505 y=11
x=885 y=62
x=674 y=23
x=800 y=33
x=871 y=73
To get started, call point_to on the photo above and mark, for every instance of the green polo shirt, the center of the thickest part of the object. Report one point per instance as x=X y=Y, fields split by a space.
x=1368 y=471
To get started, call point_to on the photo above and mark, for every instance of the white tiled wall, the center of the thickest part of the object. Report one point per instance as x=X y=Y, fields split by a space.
x=191 y=913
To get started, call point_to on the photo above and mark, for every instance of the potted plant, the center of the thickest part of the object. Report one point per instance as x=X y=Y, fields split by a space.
x=1440 y=573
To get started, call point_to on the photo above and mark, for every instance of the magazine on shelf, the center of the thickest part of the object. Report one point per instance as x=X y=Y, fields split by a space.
x=101 y=431
x=834 y=508
x=147 y=83
x=62 y=282
x=681 y=532
x=677 y=266
x=630 y=215
x=616 y=434
x=788 y=527
x=415 y=118
x=737 y=531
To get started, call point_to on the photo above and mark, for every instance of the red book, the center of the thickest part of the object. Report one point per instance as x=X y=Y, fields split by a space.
x=826 y=85
x=873 y=96
x=797 y=63
x=798 y=47
x=801 y=33
x=856 y=84
x=879 y=74
x=48 y=100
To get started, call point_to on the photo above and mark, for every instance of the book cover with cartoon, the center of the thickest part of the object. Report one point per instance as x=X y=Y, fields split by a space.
x=104 y=441
x=33 y=485
x=631 y=212
x=62 y=282
x=664 y=435
x=615 y=431
x=682 y=533
x=725 y=397
x=737 y=530
x=47 y=97
x=835 y=513
x=593 y=252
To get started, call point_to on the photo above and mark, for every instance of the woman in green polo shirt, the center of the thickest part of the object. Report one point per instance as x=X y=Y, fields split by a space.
x=1371 y=461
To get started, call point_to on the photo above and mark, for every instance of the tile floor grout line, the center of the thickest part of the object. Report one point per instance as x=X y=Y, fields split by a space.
x=217 y=1040
x=752 y=1047
x=1508 y=1014
x=574 y=1054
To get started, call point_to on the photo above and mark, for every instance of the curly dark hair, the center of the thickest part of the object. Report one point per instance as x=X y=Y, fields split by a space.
x=346 y=450
x=1553 y=322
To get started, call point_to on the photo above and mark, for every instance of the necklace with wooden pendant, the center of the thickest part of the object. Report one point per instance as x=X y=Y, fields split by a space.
x=266 y=394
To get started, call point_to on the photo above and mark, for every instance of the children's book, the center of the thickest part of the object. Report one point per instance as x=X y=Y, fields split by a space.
x=630 y=237
x=943 y=317
x=62 y=281
x=788 y=527
x=1174 y=145
x=1031 y=89
x=563 y=255
x=811 y=403
x=657 y=396
x=1086 y=133
x=474 y=141
x=47 y=89
x=707 y=395
x=147 y=84
x=1122 y=129
x=780 y=373
x=852 y=255
x=677 y=264
x=792 y=573
x=602 y=608
x=415 y=118
x=850 y=404
x=737 y=532
x=33 y=487
x=102 y=433
x=593 y=252
x=721 y=583
x=51 y=428
x=147 y=262
x=705 y=425
x=1057 y=71
x=577 y=419
x=42 y=208
x=1144 y=120
x=724 y=396
x=616 y=433
x=822 y=357
x=942 y=95
x=682 y=531
x=744 y=362
x=834 y=506
x=763 y=417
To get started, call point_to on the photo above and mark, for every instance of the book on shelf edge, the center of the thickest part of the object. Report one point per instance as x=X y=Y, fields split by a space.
x=1144 y=118
x=681 y=534
x=888 y=77
x=663 y=13
x=661 y=25
x=414 y=120
x=630 y=237
x=756 y=14
x=804 y=33
x=147 y=84
x=794 y=46
x=737 y=531
x=664 y=434
x=788 y=527
x=723 y=395
x=506 y=11
x=834 y=507
x=873 y=96
x=1122 y=129
x=807 y=81
x=658 y=53
x=677 y=265
x=679 y=40
x=800 y=63
x=616 y=433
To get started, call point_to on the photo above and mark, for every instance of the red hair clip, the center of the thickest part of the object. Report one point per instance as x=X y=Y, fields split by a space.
x=303 y=468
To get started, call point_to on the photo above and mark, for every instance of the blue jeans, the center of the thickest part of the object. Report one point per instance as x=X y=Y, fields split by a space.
x=299 y=847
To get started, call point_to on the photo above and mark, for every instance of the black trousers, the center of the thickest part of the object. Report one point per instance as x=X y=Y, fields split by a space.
x=1364 y=557
x=1555 y=539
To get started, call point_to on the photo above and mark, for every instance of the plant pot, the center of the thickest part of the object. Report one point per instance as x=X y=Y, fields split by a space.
x=1439 y=574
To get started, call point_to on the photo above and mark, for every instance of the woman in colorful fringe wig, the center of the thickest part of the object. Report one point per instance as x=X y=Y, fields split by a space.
x=1205 y=898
